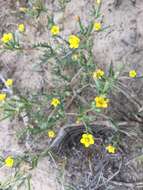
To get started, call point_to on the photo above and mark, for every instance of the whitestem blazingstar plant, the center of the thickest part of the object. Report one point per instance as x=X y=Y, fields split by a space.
x=82 y=90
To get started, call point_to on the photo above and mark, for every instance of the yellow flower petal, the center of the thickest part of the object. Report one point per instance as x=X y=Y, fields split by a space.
x=98 y=74
x=51 y=134
x=92 y=141
x=86 y=145
x=111 y=149
x=84 y=136
x=89 y=136
x=9 y=82
x=9 y=161
x=132 y=74
x=7 y=37
x=74 y=41
x=82 y=141
x=55 y=102
x=97 y=26
x=23 y=9
x=98 y=2
x=87 y=140
x=21 y=27
x=101 y=102
x=55 y=30
x=2 y=97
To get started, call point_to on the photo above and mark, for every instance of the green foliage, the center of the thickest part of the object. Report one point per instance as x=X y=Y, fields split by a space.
x=16 y=181
x=36 y=7
x=63 y=3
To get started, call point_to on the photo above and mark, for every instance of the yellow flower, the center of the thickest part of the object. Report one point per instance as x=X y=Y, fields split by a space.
x=55 y=30
x=101 y=102
x=9 y=161
x=132 y=74
x=78 y=121
x=111 y=149
x=87 y=140
x=98 y=2
x=55 y=102
x=97 y=26
x=2 y=97
x=7 y=37
x=21 y=27
x=74 y=41
x=23 y=9
x=9 y=82
x=98 y=74
x=51 y=134
x=35 y=8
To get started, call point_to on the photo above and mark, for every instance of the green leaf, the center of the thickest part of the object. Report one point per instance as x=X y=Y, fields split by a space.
x=111 y=70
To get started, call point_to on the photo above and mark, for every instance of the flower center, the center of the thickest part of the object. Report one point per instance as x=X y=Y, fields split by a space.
x=87 y=140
